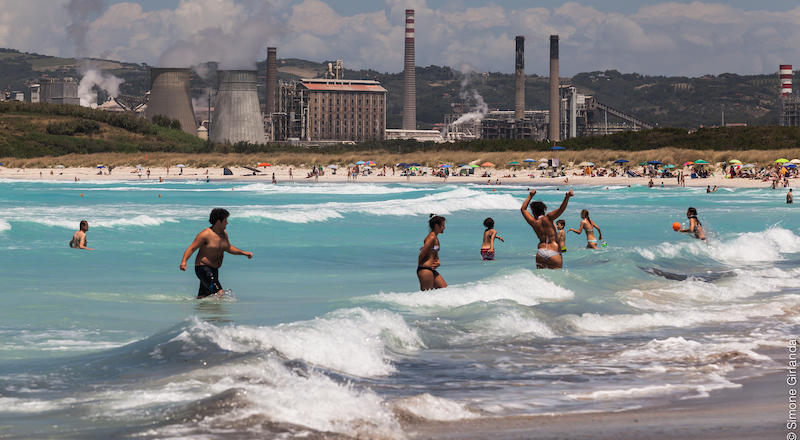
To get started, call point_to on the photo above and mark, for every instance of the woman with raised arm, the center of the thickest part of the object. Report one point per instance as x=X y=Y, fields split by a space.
x=549 y=255
x=428 y=259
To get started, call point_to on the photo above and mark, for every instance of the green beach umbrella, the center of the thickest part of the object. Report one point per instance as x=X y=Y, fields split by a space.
x=700 y=161
x=514 y=163
x=669 y=166
x=782 y=161
x=735 y=161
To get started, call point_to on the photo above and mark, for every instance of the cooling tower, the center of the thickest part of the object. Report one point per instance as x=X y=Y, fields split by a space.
x=409 y=77
x=272 y=79
x=170 y=97
x=555 y=111
x=237 y=117
x=519 y=76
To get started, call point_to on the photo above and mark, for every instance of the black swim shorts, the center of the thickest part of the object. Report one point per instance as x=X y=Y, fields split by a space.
x=209 y=280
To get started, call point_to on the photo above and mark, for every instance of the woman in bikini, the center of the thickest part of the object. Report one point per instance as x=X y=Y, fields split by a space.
x=548 y=256
x=588 y=225
x=428 y=259
x=695 y=227
x=487 y=247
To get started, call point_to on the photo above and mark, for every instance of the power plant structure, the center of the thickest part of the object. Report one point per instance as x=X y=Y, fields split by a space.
x=170 y=97
x=58 y=91
x=553 y=130
x=271 y=91
x=409 y=77
x=237 y=112
x=790 y=103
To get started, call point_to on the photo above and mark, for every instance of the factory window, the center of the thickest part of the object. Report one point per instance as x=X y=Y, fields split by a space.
x=337 y=101
x=323 y=100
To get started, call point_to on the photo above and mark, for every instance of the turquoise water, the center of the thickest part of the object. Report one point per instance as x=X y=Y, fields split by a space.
x=328 y=331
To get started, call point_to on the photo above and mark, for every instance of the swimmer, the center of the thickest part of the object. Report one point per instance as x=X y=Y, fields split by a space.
x=428 y=259
x=695 y=227
x=588 y=225
x=487 y=248
x=562 y=236
x=212 y=243
x=79 y=237
x=789 y=197
x=548 y=255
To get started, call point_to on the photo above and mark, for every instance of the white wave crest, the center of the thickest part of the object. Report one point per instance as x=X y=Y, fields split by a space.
x=330 y=188
x=431 y=407
x=4 y=225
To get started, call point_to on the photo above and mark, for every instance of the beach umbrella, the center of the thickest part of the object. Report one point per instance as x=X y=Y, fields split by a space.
x=99 y=166
x=543 y=165
x=466 y=167
x=413 y=168
x=669 y=166
x=264 y=164
x=654 y=162
x=529 y=160
x=487 y=164
x=474 y=166
x=586 y=164
x=514 y=163
x=1 y=164
x=414 y=164
x=180 y=165
x=366 y=167
x=621 y=161
x=59 y=166
x=791 y=165
x=794 y=161
x=402 y=165
x=370 y=163
x=139 y=167
x=748 y=166
x=781 y=161
x=686 y=164
x=445 y=166
x=558 y=148
x=544 y=159
x=333 y=167
x=701 y=162
x=360 y=162
x=735 y=161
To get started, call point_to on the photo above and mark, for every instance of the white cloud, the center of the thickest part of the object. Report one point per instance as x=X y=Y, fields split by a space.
x=668 y=38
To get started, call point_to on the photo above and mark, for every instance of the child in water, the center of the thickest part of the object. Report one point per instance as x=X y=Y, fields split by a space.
x=562 y=235
x=695 y=227
x=487 y=248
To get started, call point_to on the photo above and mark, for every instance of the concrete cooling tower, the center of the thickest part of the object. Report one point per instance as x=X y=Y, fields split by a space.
x=170 y=97
x=237 y=116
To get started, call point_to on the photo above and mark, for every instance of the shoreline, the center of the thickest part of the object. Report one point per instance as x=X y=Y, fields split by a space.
x=215 y=174
x=756 y=409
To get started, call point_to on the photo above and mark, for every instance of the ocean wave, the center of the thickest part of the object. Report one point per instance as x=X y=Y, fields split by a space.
x=4 y=225
x=431 y=407
x=332 y=189
x=524 y=287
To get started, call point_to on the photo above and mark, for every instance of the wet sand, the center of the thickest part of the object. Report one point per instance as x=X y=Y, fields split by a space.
x=756 y=410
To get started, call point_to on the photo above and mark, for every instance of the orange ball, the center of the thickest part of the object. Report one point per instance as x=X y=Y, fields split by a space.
x=676 y=226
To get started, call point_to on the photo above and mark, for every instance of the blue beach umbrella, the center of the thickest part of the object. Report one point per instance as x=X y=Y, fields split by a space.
x=445 y=166
x=529 y=160
x=621 y=161
x=790 y=165
x=414 y=164
x=654 y=162
x=360 y=162
x=558 y=148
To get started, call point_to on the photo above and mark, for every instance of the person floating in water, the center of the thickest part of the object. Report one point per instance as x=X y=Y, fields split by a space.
x=79 y=237
x=428 y=259
x=588 y=225
x=695 y=227
x=212 y=243
x=548 y=255
x=487 y=248
x=562 y=236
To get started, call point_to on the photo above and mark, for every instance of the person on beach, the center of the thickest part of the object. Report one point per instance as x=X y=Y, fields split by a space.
x=588 y=225
x=789 y=197
x=274 y=182
x=695 y=227
x=428 y=259
x=290 y=174
x=79 y=237
x=212 y=243
x=548 y=255
x=487 y=247
x=562 y=235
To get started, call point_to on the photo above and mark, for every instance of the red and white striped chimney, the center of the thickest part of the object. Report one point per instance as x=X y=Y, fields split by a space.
x=786 y=79
x=409 y=77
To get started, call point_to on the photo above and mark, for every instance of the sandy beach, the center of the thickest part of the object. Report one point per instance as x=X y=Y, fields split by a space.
x=299 y=175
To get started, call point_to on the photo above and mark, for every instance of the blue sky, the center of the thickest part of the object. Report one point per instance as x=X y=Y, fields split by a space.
x=673 y=38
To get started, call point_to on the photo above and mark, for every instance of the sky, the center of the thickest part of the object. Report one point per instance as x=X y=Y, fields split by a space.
x=678 y=38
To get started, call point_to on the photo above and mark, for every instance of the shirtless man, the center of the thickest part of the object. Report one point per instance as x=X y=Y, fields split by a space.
x=212 y=243
x=79 y=237
x=548 y=255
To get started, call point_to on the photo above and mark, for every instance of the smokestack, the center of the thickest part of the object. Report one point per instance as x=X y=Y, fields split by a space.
x=519 y=76
x=272 y=79
x=555 y=110
x=785 y=73
x=409 y=77
x=237 y=117
x=170 y=97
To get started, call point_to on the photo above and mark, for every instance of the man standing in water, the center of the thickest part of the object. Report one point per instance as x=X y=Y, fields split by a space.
x=79 y=237
x=212 y=243
x=789 y=197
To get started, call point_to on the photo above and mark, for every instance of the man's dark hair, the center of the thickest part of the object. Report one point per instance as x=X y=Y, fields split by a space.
x=218 y=214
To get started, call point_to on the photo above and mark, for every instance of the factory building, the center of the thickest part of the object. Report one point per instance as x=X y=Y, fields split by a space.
x=331 y=109
x=59 y=91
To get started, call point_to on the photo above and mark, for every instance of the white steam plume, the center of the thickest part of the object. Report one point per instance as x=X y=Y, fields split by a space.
x=80 y=12
x=92 y=78
x=481 y=108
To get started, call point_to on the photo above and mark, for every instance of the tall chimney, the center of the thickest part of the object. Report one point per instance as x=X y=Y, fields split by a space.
x=785 y=73
x=519 y=76
x=409 y=77
x=555 y=110
x=272 y=79
x=170 y=97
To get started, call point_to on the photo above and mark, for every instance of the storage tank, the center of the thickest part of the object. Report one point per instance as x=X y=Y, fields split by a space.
x=237 y=116
x=170 y=97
